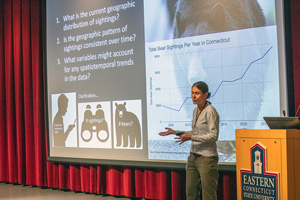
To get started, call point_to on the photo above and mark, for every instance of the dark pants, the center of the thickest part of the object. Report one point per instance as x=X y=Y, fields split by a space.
x=202 y=171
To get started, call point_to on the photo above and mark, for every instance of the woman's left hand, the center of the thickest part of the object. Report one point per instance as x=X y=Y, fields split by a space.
x=184 y=137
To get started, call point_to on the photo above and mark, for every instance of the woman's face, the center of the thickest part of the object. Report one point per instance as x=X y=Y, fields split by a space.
x=197 y=96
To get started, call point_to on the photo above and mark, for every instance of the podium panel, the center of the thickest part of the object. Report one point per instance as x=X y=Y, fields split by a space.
x=268 y=164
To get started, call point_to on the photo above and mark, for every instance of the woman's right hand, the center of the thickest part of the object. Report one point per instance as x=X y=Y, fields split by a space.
x=168 y=131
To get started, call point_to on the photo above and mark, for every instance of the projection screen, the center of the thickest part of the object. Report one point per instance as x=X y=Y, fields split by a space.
x=119 y=72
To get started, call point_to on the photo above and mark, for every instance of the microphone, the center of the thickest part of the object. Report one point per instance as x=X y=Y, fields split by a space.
x=297 y=111
x=283 y=113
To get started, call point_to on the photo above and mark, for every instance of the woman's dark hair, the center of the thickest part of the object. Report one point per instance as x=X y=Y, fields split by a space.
x=203 y=87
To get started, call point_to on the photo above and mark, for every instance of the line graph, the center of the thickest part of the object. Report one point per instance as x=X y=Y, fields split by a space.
x=223 y=81
x=242 y=75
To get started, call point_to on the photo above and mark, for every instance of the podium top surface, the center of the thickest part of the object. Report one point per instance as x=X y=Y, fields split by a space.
x=268 y=133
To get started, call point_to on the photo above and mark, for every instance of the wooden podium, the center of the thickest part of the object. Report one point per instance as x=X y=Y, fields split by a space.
x=268 y=164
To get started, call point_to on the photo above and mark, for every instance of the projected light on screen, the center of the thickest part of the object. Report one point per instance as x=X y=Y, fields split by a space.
x=125 y=73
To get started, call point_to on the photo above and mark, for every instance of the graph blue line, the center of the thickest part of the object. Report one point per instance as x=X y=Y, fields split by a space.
x=243 y=73
x=180 y=106
x=231 y=81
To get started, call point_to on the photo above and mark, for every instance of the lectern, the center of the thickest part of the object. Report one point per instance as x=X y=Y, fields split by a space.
x=268 y=164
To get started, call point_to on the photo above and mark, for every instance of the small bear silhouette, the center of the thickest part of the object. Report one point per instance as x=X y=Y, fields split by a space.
x=127 y=126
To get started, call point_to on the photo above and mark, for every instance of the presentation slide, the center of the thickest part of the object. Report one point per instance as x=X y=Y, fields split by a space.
x=120 y=71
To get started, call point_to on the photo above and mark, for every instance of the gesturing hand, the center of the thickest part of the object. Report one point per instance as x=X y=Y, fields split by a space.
x=183 y=138
x=167 y=132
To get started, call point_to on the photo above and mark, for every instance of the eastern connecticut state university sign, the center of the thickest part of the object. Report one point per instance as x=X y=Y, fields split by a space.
x=257 y=183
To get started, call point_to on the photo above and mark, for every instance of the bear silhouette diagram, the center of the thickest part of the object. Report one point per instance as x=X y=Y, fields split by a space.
x=59 y=135
x=94 y=124
x=127 y=127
